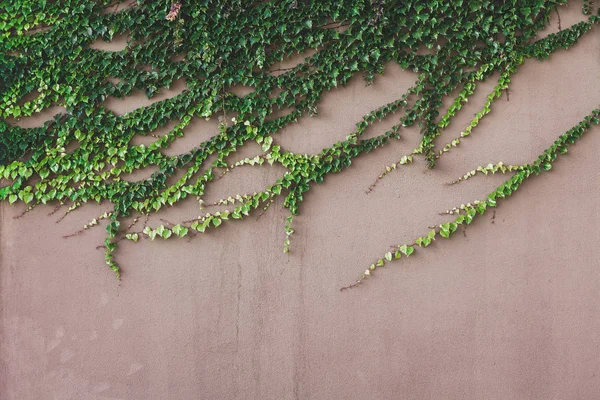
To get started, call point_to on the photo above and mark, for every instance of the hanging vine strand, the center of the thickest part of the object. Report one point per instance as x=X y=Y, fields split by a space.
x=84 y=153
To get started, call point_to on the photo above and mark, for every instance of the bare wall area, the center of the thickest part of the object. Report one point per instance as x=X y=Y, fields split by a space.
x=509 y=310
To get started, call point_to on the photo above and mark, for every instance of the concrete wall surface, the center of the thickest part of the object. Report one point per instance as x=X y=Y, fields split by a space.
x=509 y=310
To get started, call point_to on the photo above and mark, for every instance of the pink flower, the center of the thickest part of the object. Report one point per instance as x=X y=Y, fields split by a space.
x=173 y=12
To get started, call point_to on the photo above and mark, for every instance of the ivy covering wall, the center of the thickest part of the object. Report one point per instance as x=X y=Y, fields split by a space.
x=82 y=154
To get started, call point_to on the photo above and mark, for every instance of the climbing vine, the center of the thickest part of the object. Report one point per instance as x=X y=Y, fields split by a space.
x=82 y=154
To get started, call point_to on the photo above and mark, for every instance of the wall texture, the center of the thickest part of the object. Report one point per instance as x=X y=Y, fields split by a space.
x=510 y=310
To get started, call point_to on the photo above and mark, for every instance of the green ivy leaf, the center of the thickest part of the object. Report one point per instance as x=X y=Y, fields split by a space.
x=180 y=231
x=407 y=250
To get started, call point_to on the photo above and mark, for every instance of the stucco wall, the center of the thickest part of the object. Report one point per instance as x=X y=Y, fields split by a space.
x=510 y=310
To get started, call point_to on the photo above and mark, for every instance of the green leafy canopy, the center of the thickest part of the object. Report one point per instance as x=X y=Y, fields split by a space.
x=82 y=154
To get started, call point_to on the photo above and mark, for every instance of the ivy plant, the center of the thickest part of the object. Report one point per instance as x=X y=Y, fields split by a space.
x=82 y=154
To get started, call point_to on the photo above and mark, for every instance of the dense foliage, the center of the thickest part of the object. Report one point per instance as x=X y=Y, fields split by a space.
x=216 y=45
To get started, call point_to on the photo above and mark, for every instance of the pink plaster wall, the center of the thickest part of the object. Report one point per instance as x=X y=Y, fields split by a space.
x=510 y=310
